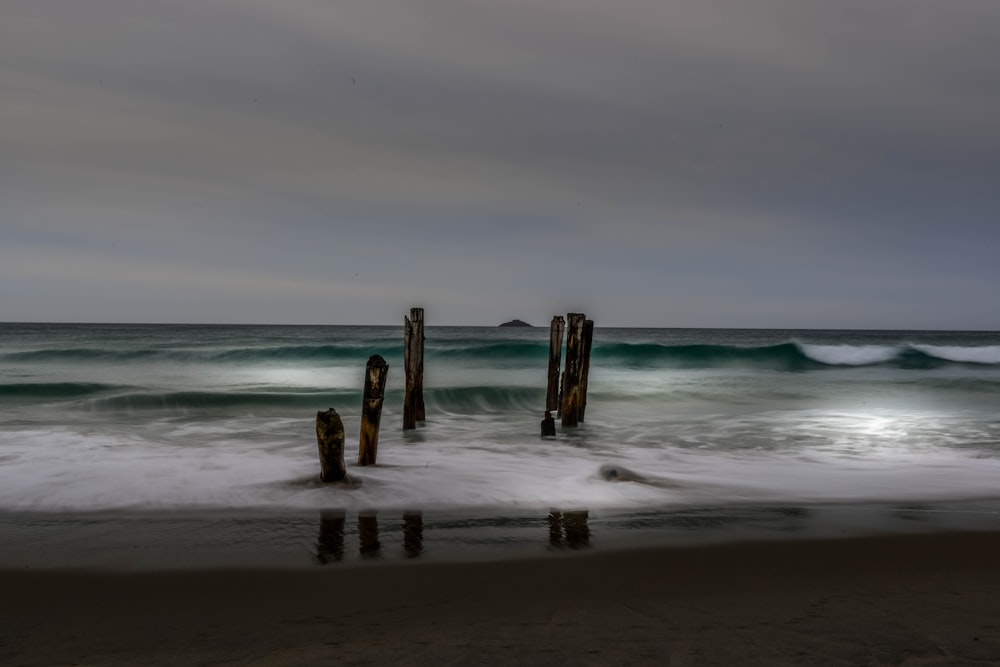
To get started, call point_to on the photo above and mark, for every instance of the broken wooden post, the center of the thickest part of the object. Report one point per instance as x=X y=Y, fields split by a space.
x=548 y=425
x=330 y=440
x=574 y=362
x=588 y=343
x=413 y=367
x=376 y=373
x=555 y=361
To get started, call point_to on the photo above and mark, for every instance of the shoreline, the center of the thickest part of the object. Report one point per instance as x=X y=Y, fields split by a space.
x=307 y=538
x=930 y=599
x=207 y=538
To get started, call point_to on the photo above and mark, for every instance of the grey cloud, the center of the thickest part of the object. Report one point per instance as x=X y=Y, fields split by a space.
x=784 y=148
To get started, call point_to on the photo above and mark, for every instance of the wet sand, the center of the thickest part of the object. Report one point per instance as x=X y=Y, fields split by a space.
x=897 y=600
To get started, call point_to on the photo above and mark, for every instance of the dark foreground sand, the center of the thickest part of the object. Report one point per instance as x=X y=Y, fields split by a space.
x=912 y=600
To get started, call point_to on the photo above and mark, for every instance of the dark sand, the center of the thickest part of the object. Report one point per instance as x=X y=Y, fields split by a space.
x=900 y=600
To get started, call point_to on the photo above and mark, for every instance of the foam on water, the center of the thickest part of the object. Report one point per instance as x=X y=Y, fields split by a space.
x=807 y=456
x=223 y=418
x=850 y=355
x=989 y=354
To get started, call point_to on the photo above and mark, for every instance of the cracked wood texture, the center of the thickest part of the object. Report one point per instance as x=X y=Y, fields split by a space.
x=413 y=366
x=330 y=440
x=376 y=373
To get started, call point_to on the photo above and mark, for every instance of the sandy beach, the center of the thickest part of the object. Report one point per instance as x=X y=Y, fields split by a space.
x=896 y=600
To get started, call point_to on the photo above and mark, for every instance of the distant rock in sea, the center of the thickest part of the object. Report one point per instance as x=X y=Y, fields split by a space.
x=515 y=323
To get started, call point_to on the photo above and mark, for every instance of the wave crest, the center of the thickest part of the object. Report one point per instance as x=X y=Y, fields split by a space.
x=788 y=356
x=850 y=355
x=988 y=354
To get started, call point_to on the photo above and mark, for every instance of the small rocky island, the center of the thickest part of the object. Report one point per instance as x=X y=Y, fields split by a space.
x=515 y=323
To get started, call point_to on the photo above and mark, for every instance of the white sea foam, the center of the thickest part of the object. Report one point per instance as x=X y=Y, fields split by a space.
x=485 y=462
x=987 y=354
x=242 y=435
x=849 y=355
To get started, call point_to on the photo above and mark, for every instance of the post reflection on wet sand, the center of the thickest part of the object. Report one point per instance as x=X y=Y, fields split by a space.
x=330 y=536
x=369 y=545
x=330 y=539
x=413 y=534
x=569 y=529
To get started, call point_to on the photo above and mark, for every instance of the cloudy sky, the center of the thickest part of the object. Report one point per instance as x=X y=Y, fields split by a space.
x=743 y=163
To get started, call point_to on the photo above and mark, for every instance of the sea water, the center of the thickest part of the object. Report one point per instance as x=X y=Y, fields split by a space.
x=128 y=427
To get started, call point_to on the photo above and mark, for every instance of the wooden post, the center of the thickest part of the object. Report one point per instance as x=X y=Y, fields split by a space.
x=574 y=363
x=330 y=440
x=562 y=392
x=548 y=425
x=588 y=343
x=555 y=360
x=376 y=373
x=413 y=367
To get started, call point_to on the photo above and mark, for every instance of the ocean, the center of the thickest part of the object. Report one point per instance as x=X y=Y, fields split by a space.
x=178 y=444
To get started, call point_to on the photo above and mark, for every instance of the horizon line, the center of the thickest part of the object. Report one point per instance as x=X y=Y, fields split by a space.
x=483 y=326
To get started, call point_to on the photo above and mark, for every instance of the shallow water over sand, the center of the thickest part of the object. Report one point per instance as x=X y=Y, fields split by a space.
x=165 y=421
x=157 y=540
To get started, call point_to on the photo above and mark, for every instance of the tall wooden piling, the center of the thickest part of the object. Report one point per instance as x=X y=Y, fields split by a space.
x=574 y=364
x=562 y=392
x=376 y=373
x=330 y=440
x=588 y=344
x=413 y=367
x=555 y=361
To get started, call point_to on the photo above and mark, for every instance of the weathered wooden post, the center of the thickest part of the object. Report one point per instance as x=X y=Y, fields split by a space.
x=555 y=361
x=548 y=425
x=562 y=392
x=574 y=364
x=588 y=344
x=413 y=367
x=376 y=373
x=330 y=440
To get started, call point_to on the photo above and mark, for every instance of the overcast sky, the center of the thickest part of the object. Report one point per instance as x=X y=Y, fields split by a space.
x=744 y=163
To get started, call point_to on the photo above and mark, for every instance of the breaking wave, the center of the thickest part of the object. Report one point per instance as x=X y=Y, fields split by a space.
x=96 y=397
x=791 y=356
x=794 y=356
x=53 y=390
